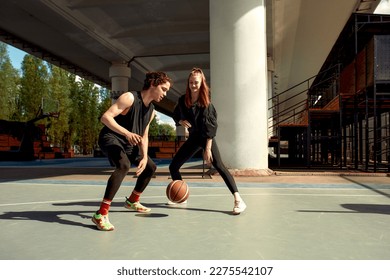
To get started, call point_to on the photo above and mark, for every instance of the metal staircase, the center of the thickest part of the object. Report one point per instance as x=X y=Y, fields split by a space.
x=339 y=118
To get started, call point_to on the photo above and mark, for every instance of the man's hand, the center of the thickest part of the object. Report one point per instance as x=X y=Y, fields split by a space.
x=141 y=166
x=134 y=139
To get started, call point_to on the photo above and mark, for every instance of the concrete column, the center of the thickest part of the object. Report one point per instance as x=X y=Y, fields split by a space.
x=238 y=58
x=119 y=74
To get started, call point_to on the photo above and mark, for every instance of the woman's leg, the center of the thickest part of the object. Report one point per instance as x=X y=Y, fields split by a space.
x=186 y=151
x=239 y=204
x=221 y=168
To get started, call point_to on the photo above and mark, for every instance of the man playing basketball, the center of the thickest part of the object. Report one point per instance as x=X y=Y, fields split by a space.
x=124 y=139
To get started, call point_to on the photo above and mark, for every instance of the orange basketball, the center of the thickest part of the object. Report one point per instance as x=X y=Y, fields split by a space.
x=177 y=191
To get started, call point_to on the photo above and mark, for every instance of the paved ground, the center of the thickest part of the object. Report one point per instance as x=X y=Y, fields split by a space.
x=45 y=210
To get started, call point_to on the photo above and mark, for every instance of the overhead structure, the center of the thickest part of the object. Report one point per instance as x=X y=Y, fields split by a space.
x=87 y=36
x=109 y=42
x=344 y=119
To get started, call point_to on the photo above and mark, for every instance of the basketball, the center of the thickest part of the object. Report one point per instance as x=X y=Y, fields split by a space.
x=177 y=191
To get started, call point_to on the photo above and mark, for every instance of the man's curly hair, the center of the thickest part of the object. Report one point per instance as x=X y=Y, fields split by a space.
x=155 y=79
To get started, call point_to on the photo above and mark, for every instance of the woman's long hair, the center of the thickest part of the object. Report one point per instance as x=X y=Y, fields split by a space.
x=204 y=91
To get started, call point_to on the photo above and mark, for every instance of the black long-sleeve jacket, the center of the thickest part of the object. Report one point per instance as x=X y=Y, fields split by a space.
x=203 y=120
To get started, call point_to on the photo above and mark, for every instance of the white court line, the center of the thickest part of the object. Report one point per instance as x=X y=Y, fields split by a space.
x=155 y=184
x=201 y=195
x=56 y=184
x=48 y=202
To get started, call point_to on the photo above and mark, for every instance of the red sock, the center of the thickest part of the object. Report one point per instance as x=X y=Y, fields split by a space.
x=134 y=196
x=105 y=206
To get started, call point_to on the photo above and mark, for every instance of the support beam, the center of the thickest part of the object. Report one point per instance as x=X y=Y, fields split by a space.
x=119 y=74
x=239 y=82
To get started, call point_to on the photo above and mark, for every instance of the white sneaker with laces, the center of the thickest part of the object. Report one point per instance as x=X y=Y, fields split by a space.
x=239 y=207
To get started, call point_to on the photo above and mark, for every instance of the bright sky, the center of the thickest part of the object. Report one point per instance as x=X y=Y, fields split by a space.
x=16 y=56
x=383 y=7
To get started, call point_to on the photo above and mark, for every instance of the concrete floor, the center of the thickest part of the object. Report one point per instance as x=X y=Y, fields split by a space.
x=46 y=206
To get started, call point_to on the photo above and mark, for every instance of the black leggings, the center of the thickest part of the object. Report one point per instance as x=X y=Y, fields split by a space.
x=122 y=163
x=190 y=148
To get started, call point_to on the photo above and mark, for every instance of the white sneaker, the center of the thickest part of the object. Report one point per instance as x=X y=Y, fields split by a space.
x=239 y=207
x=174 y=203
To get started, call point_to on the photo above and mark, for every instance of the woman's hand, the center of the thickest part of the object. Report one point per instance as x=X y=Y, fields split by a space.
x=207 y=156
x=185 y=123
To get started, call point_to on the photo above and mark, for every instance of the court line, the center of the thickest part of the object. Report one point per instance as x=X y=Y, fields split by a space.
x=208 y=185
x=145 y=197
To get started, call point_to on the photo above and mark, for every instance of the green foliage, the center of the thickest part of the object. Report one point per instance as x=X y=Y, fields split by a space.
x=164 y=131
x=9 y=84
x=105 y=101
x=59 y=92
x=167 y=130
x=84 y=124
x=89 y=116
x=33 y=87
x=154 y=128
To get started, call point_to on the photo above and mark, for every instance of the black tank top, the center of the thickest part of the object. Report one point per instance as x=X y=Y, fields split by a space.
x=136 y=119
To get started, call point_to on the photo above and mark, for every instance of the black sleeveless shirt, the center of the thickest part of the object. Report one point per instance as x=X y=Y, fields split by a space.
x=136 y=119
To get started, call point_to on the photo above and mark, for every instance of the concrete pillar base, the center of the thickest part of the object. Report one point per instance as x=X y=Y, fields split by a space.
x=119 y=74
x=247 y=172
x=251 y=172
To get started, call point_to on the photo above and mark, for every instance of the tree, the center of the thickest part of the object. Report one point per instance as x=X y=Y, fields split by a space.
x=163 y=131
x=33 y=87
x=84 y=124
x=42 y=88
x=167 y=131
x=59 y=92
x=105 y=100
x=74 y=116
x=9 y=85
x=91 y=124
x=154 y=128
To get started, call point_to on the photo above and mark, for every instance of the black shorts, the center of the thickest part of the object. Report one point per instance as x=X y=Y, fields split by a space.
x=110 y=142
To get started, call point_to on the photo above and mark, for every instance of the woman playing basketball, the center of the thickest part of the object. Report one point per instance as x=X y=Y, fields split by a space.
x=196 y=112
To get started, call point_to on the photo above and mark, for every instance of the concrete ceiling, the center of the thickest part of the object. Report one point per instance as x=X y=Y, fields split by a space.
x=304 y=33
x=87 y=36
